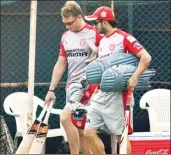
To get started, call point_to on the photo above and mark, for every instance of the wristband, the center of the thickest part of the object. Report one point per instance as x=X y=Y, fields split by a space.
x=51 y=90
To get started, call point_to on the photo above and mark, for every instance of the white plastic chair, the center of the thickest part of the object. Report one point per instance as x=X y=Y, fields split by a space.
x=16 y=103
x=157 y=103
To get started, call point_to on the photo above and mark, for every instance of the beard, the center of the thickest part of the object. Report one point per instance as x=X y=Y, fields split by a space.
x=104 y=31
x=101 y=30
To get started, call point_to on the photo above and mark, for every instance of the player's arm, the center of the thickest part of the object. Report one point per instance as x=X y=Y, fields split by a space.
x=93 y=53
x=144 y=62
x=133 y=46
x=58 y=71
x=59 y=68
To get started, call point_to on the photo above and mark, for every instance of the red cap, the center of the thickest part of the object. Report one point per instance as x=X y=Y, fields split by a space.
x=102 y=13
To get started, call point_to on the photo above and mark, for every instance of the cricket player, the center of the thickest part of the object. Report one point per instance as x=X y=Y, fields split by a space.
x=74 y=50
x=106 y=110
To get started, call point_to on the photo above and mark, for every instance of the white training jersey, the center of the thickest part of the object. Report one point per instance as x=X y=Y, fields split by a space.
x=74 y=46
x=118 y=41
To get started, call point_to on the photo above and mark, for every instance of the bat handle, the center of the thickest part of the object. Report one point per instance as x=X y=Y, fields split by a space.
x=42 y=113
x=128 y=96
x=48 y=112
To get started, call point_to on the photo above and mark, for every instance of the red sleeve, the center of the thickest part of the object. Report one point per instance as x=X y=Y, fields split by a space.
x=132 y=45
x=98 y=38
x=62 y=51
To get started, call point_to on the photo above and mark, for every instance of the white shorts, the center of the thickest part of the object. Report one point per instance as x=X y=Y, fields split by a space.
x=74 y=92
x=106 y=112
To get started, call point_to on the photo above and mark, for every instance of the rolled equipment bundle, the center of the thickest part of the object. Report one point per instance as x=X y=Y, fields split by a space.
x=94 y=71
x=115 y=78
x=118 y=58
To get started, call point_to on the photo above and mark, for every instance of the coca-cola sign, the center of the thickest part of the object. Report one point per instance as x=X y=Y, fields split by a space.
x=160 y=151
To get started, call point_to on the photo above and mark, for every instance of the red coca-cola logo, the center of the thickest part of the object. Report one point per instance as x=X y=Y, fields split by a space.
x=161 y=151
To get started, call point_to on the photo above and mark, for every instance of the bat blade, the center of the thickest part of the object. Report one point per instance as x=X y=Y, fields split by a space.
x=40 y=139
x=28 y=138
x=124 y=137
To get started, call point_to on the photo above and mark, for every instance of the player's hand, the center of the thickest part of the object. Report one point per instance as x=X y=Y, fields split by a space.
x=92 y=46
x=77 y=106
x=92 y=54
x=50 y=97
x=77 y=74
x=132 y=82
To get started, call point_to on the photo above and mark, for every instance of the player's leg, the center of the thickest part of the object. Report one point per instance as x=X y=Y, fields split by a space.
x=95 y=143
x=80 y=120
x=85 y=146
x=94 y=121
x=73 y=93
x=113 y=115
x=71 y=131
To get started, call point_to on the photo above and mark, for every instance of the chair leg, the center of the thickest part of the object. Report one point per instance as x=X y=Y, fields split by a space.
x=16 y=142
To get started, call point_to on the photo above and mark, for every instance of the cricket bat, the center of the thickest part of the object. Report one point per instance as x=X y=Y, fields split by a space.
x=28 y=138
x=40 y=139
x=124 y=137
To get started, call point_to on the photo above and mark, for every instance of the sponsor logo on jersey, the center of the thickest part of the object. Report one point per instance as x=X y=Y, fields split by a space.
x=82 y=42
x=131 y=39
x=137 y=45
x=105 y=55
x=77 y=53
x=111 y=47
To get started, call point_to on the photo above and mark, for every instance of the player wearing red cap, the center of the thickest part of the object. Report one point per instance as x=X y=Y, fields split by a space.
x=106 y=110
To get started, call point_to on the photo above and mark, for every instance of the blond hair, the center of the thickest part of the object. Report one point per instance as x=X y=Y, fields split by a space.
x=71 y=8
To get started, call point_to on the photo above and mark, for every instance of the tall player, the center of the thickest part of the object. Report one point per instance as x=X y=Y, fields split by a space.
x=106 y=110
x=74 y=49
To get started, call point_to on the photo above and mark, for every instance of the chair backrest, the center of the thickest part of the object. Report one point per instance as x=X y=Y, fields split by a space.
x=16 y=104
x=157 y=103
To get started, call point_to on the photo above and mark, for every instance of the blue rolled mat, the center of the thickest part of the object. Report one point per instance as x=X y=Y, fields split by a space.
x=115 y=78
